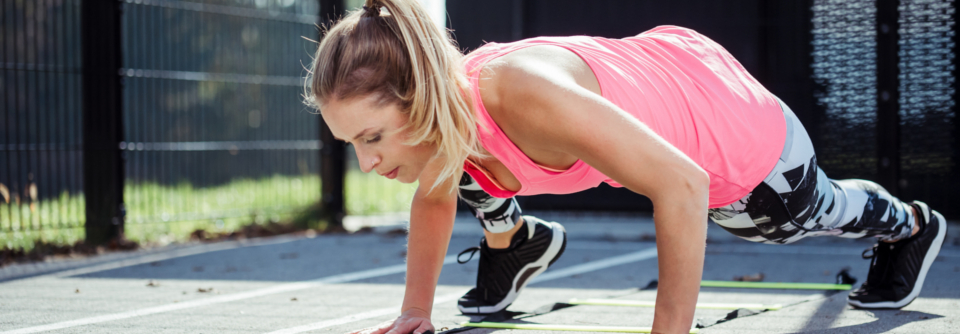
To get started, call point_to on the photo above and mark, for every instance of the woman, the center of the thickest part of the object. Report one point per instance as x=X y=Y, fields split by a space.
x=668 y=114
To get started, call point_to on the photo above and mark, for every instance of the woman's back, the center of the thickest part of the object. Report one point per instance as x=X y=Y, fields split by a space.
x=684 y=86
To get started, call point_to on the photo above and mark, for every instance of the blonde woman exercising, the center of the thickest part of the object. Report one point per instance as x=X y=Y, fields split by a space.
x=667 y=113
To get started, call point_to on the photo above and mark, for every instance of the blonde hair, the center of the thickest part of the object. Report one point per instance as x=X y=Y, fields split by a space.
x=402 y=56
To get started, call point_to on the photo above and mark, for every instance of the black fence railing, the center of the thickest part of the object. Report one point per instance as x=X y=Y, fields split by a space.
x=41 y=140
x=160 y=116
x=214 y=124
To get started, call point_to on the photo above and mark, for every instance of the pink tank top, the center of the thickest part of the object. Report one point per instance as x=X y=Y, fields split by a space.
x=684 y=86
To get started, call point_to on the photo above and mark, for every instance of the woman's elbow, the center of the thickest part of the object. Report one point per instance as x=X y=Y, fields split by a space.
x=690 y=188
x=698 y=188
x=700 y=183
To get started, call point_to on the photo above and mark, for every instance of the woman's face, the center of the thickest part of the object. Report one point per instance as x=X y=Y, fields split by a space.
x=374 y=132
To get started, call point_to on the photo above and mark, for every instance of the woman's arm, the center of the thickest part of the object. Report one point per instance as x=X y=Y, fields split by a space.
x=431 y=224
x=542 y=107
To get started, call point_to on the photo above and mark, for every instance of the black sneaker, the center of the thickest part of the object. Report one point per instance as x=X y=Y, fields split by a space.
x=503 y=272
x=899 y=268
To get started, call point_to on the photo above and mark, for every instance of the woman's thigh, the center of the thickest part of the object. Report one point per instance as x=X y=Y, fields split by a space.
x=780 y=208
x=797 y=200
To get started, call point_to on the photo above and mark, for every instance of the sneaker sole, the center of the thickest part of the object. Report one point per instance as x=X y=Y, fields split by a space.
x=527 y=273
x=927 y=261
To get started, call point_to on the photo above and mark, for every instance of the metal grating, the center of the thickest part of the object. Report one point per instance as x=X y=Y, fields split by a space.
x=844 y=70
x=927 y=105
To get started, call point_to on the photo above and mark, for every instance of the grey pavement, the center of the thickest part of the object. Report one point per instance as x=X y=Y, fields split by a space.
x=338 y=283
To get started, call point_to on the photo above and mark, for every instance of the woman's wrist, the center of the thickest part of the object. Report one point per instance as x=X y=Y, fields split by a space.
x=414 y=311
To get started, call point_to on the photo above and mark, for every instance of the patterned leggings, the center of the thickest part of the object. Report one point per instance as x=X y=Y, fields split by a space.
x=794 y=201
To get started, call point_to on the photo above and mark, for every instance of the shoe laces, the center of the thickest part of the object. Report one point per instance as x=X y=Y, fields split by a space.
x=481 y=287
x=881 y=257
x=473 y=250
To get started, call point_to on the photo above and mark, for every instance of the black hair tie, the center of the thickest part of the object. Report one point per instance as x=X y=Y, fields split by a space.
x=371 y=11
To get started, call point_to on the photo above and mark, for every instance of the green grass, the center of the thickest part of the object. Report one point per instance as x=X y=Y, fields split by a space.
x=160 y=214
x=57 y=220
x=163 y=214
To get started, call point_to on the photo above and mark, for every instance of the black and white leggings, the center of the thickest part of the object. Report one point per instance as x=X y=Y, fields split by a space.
x=794 y=201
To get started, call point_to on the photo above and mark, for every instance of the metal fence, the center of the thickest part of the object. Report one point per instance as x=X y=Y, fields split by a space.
x=41 y=141
x=213 y=119
x=213 y=129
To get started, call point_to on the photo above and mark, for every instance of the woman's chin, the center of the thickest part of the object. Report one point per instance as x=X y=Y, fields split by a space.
x=407 y=178
x=402 y=179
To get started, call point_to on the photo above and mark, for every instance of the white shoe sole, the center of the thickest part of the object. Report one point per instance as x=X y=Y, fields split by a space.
x=928 y=259
x=537 y=267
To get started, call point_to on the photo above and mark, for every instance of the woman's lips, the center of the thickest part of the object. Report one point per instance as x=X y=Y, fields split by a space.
x=392 y=174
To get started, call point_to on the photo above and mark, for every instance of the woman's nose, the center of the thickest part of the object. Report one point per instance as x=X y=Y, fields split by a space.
x=367 y=161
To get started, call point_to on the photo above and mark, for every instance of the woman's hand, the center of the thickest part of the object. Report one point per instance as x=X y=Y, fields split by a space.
x=415 y=321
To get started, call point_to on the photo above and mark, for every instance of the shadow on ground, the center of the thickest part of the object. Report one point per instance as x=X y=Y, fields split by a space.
x=885 y=321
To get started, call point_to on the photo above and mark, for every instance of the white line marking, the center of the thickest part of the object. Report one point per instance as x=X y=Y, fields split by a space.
x=166 y=256
x=565 y=272
x=360 y=316
x=597 y=265
x=74 y=269
x=342 y=278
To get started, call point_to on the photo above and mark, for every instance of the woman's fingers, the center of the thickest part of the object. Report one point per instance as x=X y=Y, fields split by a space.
x=405 y=324
x=399 y=330
x=385 y=327
x=425 y=328
x=381 y=328
x=411 y=325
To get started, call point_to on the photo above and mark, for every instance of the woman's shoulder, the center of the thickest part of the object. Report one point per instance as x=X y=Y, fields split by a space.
x=536 y=46
x=515 y=88
x=522 y=69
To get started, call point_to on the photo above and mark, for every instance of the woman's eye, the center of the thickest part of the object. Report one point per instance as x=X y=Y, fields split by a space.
x=374 y=140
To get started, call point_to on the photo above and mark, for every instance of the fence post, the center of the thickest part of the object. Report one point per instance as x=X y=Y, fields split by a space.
x=888 y=95
x=103 y=172
x=333 y=152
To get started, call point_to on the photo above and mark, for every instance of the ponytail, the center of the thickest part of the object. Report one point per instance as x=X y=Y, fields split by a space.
x=404 y=57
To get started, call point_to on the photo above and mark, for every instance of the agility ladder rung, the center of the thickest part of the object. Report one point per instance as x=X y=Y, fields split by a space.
x=558 y=327
x=639 y=303
x=775 y=285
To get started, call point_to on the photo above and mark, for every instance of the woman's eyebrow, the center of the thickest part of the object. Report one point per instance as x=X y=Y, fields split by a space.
x=361 y=134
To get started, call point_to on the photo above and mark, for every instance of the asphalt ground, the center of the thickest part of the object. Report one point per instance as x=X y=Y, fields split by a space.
x=339 y=283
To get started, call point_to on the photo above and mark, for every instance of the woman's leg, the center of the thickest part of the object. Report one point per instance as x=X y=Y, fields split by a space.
x=496 y=215
x=529 y=246
x=797 y=200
